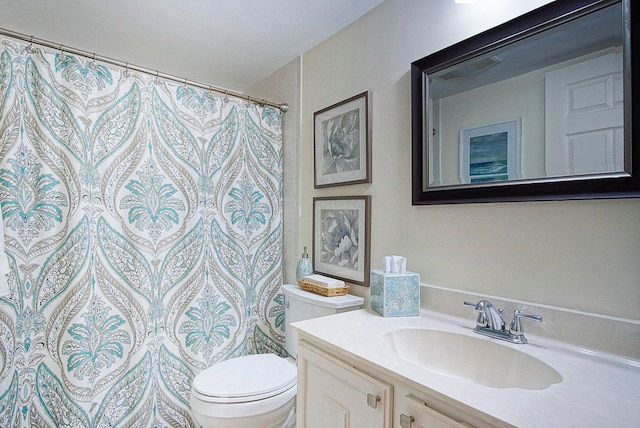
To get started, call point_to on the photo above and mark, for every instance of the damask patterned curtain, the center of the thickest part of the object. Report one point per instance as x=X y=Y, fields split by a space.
x=143 y=229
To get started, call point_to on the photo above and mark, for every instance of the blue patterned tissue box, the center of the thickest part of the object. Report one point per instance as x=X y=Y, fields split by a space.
x=395 y=294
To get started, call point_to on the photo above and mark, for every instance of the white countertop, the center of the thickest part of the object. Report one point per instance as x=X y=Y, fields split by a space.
x=597 y=390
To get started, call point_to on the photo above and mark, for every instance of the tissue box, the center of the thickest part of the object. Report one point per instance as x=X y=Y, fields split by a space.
x=395 y=294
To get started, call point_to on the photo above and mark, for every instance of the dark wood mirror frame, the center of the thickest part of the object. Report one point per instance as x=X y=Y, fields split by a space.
x=547 y=189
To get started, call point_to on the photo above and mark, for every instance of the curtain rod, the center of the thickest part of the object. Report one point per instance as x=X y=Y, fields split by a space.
x=57 y=46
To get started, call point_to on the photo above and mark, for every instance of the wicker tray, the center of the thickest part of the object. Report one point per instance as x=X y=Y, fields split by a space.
x=328 y=292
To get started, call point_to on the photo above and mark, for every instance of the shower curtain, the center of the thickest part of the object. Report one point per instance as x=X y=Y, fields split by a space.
x=143 y=230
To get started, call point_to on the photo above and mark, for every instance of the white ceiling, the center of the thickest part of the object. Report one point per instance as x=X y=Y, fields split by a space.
x=231 y=44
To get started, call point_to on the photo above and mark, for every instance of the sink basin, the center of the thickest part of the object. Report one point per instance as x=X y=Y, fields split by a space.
x=477 y=359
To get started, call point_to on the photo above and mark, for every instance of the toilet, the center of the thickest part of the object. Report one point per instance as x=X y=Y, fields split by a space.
x=259 y=391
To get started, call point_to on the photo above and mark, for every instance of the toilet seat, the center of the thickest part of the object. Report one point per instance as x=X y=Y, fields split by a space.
x=245 y=379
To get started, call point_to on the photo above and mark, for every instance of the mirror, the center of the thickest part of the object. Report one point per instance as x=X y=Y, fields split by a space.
x=538 y=108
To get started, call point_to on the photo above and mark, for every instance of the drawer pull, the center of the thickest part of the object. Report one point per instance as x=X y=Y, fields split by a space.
x=406 y=421
x=372 y=400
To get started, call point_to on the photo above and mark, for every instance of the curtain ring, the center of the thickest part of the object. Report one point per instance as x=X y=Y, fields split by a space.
x=126 y=70
x=30 y=48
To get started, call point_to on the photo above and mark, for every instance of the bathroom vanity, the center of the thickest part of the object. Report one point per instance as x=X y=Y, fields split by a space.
x=359 y=369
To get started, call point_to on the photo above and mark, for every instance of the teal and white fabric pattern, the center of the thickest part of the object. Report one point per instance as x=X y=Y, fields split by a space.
x=143 y=231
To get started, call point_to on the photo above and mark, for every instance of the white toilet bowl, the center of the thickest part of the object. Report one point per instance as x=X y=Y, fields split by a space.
x=254 y=391
x=259 y=391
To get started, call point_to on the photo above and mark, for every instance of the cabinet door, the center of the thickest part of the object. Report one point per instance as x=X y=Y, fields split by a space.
x=332 y=394
x=419 y=415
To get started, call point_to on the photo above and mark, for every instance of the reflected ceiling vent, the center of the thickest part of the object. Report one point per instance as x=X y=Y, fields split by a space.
x=485 y=63
x=471 y=69
x=450 y=75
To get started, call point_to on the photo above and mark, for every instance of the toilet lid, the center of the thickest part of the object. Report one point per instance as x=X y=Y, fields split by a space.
x=248 y=378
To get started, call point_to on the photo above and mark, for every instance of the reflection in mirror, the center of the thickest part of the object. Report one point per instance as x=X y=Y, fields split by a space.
x=563 y=85
x=537 y=108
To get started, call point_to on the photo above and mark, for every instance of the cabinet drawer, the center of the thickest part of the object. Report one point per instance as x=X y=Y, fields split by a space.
x=418 y=414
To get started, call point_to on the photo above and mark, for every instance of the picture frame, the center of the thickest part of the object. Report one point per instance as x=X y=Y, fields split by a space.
x=342 y=143
x=342 y=238
x=490 y=153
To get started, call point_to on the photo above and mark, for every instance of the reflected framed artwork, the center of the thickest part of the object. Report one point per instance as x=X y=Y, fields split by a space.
x=341 y=238
x=490 y=153
x=342 y=143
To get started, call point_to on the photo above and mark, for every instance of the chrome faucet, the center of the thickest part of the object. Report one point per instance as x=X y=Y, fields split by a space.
x=490 y=322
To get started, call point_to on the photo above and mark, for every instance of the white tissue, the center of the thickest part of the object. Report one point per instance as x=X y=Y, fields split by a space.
x=395 y=264
x=386 y=260
x=324 y=281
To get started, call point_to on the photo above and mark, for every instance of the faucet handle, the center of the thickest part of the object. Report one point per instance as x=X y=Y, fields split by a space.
x=520 y=314
x=516 y=328
x=484 y=313
x=478 y=307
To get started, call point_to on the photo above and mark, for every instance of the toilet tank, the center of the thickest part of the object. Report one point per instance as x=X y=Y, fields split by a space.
x=302 y=305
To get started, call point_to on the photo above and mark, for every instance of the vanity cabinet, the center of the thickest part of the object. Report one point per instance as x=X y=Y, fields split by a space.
x=332 y=394
x=336 y=392
x=351 y=356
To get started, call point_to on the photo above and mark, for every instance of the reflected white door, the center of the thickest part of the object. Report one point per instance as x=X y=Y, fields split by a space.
x=584 y=117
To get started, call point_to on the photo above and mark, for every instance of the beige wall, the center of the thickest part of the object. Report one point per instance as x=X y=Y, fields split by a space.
x=582 y=255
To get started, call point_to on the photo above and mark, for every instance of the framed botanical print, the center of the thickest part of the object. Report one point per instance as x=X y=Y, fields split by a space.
x=341 y=237
x=342 y=143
